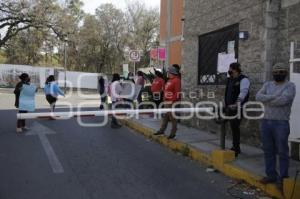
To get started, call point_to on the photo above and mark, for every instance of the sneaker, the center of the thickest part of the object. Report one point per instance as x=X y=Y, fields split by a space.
x=115 y=126
x=25 y=128
x=267 y=180
x=19 y=130
x=279 y=186
x=236 y=151
x=159 y=133
x=171 y=136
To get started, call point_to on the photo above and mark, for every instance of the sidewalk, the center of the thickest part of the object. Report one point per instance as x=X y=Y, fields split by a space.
x=204 y=147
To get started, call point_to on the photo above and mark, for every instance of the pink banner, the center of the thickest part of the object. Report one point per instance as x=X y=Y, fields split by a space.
x=161 y=53
x=153 y=53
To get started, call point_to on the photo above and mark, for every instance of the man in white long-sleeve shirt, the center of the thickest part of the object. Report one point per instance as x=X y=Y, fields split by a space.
x=236 y=94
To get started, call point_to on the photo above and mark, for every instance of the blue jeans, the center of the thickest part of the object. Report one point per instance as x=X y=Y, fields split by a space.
x=275 y=134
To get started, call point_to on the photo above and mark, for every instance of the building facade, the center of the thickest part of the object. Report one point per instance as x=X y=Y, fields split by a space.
x=256 y=33
x=171 y=29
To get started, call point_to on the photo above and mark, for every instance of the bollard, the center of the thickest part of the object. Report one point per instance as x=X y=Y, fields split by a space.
x=223 y=135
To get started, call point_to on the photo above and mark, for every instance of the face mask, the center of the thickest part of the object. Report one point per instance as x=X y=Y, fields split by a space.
x=230 y=73
x=279 y=78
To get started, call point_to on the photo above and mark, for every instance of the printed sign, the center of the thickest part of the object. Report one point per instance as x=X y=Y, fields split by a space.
x=134 y=56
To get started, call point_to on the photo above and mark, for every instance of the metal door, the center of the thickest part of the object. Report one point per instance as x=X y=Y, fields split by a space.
x=295 y=77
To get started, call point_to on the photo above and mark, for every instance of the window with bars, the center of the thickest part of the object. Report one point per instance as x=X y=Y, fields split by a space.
x=211 y=45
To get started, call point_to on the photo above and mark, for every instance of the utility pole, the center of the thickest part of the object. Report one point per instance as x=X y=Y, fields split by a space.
x=65 y=66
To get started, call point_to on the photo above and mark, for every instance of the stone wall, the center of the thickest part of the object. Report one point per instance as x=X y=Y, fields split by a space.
x=271 y=24
x=289 y=29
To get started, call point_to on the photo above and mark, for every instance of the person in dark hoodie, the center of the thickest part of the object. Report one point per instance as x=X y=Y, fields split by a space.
x=24 y=99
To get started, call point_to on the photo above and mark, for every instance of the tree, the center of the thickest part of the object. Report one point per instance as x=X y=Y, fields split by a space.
x=16 y=16
x=112 y=31
x=143 y=25
x=89 y=45
x=95 y=43
x=25 y=47
x=45 y=16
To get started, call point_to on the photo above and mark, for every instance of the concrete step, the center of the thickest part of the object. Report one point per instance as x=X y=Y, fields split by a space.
x=295 y=149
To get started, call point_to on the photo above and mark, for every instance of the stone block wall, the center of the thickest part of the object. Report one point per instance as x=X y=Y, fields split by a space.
x=268 y=24
x=289 y=29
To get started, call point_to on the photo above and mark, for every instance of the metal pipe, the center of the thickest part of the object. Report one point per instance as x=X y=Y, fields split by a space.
x=68 y=115
x=65 y=67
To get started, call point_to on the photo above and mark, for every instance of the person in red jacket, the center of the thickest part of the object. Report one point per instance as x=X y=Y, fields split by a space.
x=157 y=88
x=171 y=95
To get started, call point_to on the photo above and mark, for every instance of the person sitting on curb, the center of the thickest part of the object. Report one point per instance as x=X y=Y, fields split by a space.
x=171 y=95
x=277 y=96
x=25 y=102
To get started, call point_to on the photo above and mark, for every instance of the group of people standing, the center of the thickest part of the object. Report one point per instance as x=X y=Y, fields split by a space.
x=165 y=92
x=277 y=96
x=25 y=97
x=120 y=92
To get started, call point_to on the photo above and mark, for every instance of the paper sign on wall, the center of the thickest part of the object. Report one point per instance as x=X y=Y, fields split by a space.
x=224 y=60
x=230 y=47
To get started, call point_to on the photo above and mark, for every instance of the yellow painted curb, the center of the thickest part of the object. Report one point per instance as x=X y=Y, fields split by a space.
x=219 y=159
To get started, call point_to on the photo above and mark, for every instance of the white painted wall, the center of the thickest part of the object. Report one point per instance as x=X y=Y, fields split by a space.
x=79 y=79
x=295 y=122
x=287 y=3
x=9 y=76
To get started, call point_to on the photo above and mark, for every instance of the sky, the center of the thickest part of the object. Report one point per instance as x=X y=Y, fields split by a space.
x=91 y=5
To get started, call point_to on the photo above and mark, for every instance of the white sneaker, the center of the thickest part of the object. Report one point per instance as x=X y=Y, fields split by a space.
x=19 y=130
x=25 y=128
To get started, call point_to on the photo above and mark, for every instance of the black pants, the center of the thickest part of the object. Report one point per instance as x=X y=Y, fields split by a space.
x=236 y=133
x=235 y=128
x=114 y=120
x=157 y=99
x=51 y=100
x=21 y=123
x=103 y=101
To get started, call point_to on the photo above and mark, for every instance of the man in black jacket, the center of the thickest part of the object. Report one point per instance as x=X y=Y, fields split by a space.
x=236 y=94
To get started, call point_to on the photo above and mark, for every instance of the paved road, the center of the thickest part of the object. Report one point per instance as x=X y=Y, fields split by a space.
x=7 y=100
x=61 y=160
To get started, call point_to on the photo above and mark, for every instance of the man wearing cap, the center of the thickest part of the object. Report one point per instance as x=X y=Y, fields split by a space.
x=171 y=95
x=277 y=96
